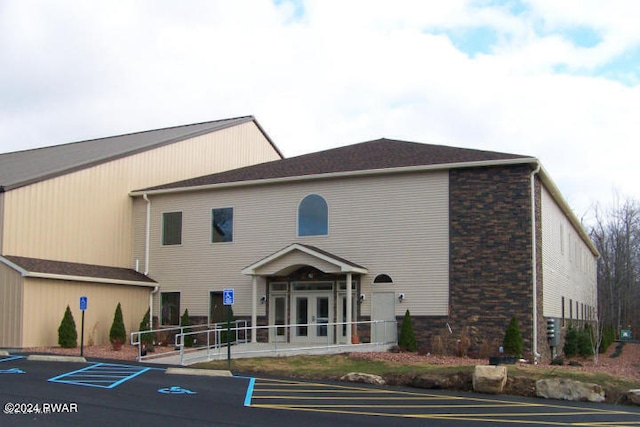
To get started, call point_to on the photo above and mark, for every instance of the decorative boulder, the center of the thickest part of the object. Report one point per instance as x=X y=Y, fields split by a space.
x=357 y=377
x=489 y=379
x=633 y=396
x=565 y=389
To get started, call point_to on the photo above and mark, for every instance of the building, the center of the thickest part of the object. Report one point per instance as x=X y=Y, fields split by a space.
x=464 y=239
x=66 y=221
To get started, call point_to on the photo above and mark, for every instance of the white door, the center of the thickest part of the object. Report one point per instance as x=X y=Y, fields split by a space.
x=311 y=313
x=384 y=309
x=278 y=317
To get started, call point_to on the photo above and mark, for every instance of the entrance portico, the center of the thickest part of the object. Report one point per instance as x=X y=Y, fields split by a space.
x=306 y=292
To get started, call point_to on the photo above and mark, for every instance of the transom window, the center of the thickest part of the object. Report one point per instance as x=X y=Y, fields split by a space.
x=313 y=216
x=383 y=278
x=222 y=225
x=172 y=228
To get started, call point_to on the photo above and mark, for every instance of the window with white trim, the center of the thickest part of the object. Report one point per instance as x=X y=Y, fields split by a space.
x=313 y=216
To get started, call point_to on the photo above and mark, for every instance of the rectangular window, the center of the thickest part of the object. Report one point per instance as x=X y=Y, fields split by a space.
x=172 y=228
x=170 y=308
x=222 y=225
x=570 y=309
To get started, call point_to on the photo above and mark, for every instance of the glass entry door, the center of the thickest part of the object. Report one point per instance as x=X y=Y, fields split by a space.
x=278 y=314
x=311 y=314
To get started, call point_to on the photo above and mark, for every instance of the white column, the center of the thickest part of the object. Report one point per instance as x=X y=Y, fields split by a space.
x=254 y=309
x=349 y=308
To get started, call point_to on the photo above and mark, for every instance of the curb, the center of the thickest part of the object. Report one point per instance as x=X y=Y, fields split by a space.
x=202 y=372
x=55 y=358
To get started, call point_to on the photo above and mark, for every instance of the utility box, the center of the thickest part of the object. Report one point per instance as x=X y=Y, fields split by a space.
x=553 y=331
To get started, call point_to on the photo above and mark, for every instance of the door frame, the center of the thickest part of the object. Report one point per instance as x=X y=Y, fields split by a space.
x=312 y=336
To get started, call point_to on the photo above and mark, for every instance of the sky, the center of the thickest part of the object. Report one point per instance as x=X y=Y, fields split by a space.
x=557 y=80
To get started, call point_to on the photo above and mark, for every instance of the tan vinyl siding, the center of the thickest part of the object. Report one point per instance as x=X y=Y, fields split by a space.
x=11 y=324
x=396 y=224
x=1 y=220
x=568 y=266
x=46 y=300
x=86 y=216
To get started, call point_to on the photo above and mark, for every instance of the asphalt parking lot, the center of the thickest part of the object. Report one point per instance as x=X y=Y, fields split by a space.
x=108 y=393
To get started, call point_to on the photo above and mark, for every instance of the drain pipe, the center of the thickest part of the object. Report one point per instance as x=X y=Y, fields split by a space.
x=146 y=257
x=147 y=234
x=534 y=263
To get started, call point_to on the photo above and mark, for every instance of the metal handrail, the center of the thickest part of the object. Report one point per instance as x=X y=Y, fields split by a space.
x=242 y=332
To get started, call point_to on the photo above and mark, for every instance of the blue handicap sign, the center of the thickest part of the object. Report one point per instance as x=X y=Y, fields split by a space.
x=83 y=303
x=227 y=297
x=12 y=371
x=176 y=390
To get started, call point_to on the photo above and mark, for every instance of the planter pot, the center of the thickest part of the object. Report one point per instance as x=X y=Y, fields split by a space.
x=502 y=360
x=116 y=345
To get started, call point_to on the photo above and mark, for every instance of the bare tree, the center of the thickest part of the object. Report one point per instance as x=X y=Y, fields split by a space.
x=616 y=234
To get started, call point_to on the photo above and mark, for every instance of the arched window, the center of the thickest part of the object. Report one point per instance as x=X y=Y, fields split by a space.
x=313 y=216
x=383 y=278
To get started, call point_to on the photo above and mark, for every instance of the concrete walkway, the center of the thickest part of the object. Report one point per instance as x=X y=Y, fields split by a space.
x=238 y=351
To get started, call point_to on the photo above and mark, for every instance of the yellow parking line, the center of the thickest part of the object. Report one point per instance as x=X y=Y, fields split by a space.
x=377 y=402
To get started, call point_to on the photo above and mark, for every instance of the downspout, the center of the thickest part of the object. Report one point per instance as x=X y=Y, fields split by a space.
x=534 y=263
x=146 y=257
x=147 y=234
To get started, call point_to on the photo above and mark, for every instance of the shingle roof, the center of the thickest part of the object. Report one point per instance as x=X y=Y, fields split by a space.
x=372 y=155
x=25 y=167
x=90 y=271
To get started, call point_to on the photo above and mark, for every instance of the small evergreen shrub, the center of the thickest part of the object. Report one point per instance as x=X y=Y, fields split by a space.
x=608 y=337
x=145 y=325
x=585 y=341
x=570 y=348
x=184 y=321
x=67 y=334
x=512 y=343
x=117 y=333
x=407 y=338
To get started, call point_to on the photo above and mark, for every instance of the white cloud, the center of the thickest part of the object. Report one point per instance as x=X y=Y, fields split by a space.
x=319 y=74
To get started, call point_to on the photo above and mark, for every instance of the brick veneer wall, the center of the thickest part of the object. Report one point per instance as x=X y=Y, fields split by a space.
x=490 y=254
x=490 y=265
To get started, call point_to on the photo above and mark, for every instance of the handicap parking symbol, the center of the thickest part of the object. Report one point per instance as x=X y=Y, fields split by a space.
x=176 y=390
x=227 y=297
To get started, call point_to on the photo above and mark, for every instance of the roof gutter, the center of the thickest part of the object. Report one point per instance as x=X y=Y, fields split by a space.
x=88 y=279
x=38 y=275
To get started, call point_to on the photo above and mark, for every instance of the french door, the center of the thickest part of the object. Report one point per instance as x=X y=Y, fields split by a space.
x=311 y=313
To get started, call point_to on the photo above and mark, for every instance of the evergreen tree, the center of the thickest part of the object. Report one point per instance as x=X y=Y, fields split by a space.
x=184 y=321
x=407 y=338
x=608 y=337
x=570 y=347
x=67 y=334
x=145 y=325
x=512 y=343
x=117 y=334
x=585 y=340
